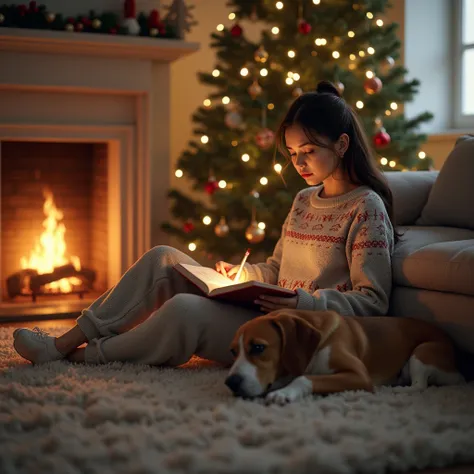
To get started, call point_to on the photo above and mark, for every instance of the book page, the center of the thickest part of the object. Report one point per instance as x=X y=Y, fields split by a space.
x=211 y=277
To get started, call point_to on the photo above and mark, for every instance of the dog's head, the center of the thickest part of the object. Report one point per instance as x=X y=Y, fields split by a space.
x=268 y=348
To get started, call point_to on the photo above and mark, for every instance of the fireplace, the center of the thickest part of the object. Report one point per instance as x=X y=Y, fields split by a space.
x=84 y=123
x=54 y=220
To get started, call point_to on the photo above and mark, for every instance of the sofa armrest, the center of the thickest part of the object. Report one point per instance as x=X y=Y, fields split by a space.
x=410 y=193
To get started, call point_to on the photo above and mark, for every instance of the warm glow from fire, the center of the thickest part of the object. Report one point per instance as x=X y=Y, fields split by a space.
x=50 y=250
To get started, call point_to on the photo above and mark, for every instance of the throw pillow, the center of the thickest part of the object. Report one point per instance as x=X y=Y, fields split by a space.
x=452 y=195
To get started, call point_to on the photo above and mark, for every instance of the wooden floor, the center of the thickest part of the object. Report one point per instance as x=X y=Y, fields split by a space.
x=69 y=323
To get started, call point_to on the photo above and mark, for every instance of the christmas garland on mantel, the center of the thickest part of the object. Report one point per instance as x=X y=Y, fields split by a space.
x=38 y=17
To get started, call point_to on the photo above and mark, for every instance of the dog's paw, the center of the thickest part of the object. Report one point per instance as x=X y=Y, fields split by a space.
x=282 y=396
x=298 y=389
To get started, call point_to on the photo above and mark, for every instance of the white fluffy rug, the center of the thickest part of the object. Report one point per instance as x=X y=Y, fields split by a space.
x=67 y=418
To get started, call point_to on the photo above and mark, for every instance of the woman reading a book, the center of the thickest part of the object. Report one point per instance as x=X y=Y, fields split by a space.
x=334 y=252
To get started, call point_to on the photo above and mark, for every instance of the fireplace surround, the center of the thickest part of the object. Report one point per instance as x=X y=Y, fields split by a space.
x=107 y=96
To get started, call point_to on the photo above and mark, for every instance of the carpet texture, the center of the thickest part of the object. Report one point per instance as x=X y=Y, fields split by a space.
x=69 y=418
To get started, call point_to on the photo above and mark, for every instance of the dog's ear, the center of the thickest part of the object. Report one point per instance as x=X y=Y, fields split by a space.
x=299 y=341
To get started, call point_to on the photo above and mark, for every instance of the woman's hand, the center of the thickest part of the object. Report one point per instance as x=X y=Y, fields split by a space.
x=271 y=303
x=227 y=269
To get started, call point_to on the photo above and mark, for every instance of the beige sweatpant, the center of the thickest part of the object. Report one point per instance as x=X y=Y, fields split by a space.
x=155 y=316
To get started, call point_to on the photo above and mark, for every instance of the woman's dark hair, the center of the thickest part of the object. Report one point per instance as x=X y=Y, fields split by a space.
x=324 y=114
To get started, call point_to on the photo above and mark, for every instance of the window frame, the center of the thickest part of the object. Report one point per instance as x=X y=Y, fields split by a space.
x=460 y=120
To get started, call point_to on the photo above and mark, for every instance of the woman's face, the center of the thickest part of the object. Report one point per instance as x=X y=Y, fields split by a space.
x=315 y=164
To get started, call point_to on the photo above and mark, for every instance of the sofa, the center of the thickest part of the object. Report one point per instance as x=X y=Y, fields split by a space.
x=433 y=263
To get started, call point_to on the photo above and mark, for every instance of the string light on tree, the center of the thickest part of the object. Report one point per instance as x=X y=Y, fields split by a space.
x=192 y=247
x=263 y=181
x=370 y=15
x=245 y=157
x=421 y=155
x=220 y=27
x=371 y=50
x=279 y=5
x=278 y=168
x=222 y=184
x=359 y=104
x=206 y=220
x=383 y=161
x=264 y=72
x=291 y=54
x=225 y=100
x=351 y=34
x=244 y=72
x=394 y=106
x=204 y=139
x=392 y=164
x=379 y=22
x=207 y=102
x=231 y=16
x=216 y=73
x=179 y=173
x=316 y=2
x=336 y=54
x=275 y=30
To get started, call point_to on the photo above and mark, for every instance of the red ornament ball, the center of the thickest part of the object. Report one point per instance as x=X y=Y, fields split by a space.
x=211 y=186
x=236 y=31
x=304 y=27
x=188 y=227
x=264 y=138
x=373 y=85
x=382 y=139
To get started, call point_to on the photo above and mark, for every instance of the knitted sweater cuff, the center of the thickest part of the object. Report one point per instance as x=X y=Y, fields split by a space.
x=249 y=272
x=305 y=300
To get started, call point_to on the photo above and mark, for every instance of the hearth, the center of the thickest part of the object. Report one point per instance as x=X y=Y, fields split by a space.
x=54 y=220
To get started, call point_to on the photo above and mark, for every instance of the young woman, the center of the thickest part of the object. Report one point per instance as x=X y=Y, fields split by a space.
x=335 y=251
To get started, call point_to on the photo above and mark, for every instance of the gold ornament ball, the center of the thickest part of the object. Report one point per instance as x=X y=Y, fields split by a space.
x=373 y=85
x=69 y=27
x=254 y=89
x=96 y=24
x=297 y=91
x=340 y=87
x=221 y=229
x=154 y=31
x=254 y=234
x=2 y=18
x=261 y=55
x=50 y=17
x=388 y=62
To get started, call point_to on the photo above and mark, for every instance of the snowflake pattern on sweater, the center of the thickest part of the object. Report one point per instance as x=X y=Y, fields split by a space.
x=335 y=252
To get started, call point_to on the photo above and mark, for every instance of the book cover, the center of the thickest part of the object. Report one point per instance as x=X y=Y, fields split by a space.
x=215 y=285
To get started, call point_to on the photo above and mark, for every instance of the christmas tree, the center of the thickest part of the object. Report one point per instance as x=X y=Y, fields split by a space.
x=247 y=187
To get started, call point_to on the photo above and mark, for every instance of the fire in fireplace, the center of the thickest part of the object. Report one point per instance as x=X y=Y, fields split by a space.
x=53 y=222
x=49 y=270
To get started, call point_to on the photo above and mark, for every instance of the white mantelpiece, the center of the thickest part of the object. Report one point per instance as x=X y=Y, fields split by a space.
x=91 y=87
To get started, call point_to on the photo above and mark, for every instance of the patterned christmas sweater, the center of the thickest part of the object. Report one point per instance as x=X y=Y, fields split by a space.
x=335 y=252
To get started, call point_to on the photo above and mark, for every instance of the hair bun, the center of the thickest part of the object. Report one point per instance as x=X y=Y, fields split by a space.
x=327 y=88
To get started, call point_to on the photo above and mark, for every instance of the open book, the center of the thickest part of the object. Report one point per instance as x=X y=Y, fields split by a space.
x=215 y=285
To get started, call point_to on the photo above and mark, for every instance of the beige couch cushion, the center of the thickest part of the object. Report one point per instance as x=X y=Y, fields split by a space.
x=451 y=199
x=435 y=258
x=453 y=313
x=410 y=193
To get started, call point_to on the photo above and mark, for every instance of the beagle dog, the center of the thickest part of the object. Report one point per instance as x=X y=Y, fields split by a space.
x=289 y=354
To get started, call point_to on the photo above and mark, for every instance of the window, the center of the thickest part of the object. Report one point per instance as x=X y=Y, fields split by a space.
x=464 y=70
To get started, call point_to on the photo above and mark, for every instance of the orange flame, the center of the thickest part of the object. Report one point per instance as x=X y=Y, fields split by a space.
x=50 y=250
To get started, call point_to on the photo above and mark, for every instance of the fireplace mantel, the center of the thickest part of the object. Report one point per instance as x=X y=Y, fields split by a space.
x=22 y=40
